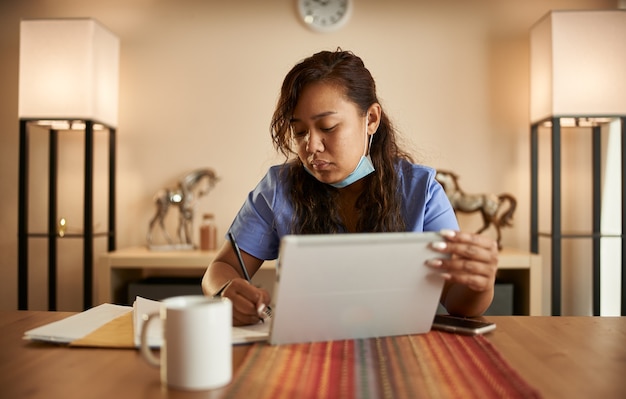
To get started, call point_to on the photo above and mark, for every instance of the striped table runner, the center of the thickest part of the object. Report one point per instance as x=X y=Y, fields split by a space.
x=433 y=365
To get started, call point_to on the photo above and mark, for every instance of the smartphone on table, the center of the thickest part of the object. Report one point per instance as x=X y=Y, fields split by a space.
x=462 y=325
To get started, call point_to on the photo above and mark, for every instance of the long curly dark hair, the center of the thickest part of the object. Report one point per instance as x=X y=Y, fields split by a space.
x=315 y=203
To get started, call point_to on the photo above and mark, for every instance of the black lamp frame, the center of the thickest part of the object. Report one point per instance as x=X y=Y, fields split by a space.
x=556 y=235
x=52 y=235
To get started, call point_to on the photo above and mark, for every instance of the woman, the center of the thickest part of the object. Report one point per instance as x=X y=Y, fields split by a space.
x=343 y=173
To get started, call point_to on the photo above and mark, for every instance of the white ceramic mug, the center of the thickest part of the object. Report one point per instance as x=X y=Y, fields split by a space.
x=197 y=342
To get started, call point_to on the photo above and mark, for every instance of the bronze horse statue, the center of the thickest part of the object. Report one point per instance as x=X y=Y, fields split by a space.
x=184 y=197
x=489 y=205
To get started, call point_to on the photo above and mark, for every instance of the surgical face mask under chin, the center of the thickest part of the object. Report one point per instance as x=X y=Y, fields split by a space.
x=364 y=168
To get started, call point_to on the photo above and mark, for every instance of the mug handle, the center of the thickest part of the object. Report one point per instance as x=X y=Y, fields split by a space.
x=146 y=352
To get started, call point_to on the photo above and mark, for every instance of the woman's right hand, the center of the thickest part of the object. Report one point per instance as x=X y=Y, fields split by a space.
x=248 y=301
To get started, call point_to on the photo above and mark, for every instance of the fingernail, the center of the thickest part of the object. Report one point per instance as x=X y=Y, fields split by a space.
x=446 y=276
x=439 y=245
x=261 y=311
x=447 y=233
x=434 y=262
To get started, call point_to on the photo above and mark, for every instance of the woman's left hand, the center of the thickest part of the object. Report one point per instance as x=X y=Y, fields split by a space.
x=473 y=259
x=470 y=272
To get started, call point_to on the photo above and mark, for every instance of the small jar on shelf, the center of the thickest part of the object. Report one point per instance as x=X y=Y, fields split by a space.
x=208 y=233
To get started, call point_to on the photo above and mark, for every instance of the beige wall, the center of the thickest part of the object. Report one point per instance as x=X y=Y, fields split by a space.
x=199 y=79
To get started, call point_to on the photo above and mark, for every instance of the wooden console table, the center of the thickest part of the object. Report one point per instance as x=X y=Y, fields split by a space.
x=118 y=268
x=524 y=268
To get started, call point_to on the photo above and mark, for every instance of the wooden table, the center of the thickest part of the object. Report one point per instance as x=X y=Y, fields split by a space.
x=563 y=357
x=38 y=370
x=116 y=269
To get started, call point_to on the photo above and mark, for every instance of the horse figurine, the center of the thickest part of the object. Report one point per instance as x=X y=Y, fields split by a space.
x=184 y=197
x=489 y=205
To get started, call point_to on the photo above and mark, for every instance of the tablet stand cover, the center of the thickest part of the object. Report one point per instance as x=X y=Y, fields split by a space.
x=348 y=286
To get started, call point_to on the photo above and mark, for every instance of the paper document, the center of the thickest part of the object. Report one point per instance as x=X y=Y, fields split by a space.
x=142 y=308
x=254 y=333
x=77 y=326
x=81 y=325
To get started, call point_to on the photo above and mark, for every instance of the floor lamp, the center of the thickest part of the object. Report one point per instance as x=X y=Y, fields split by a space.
x=578 y=78
x=68 y=80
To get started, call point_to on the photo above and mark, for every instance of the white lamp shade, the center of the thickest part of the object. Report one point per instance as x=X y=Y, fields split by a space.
x=578 y=64
x=69 y=68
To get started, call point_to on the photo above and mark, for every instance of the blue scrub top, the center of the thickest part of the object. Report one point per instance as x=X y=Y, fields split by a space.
x=266 y=215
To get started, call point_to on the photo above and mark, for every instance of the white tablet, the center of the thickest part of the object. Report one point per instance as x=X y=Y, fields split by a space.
x=348 y=286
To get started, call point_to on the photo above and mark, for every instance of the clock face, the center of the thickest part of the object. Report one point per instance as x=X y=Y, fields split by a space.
x=324 y=15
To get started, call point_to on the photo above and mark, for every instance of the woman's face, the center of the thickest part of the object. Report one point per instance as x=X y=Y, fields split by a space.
x=329 y=132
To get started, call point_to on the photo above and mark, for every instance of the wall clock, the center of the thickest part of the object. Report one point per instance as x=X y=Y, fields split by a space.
x=324 y=15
